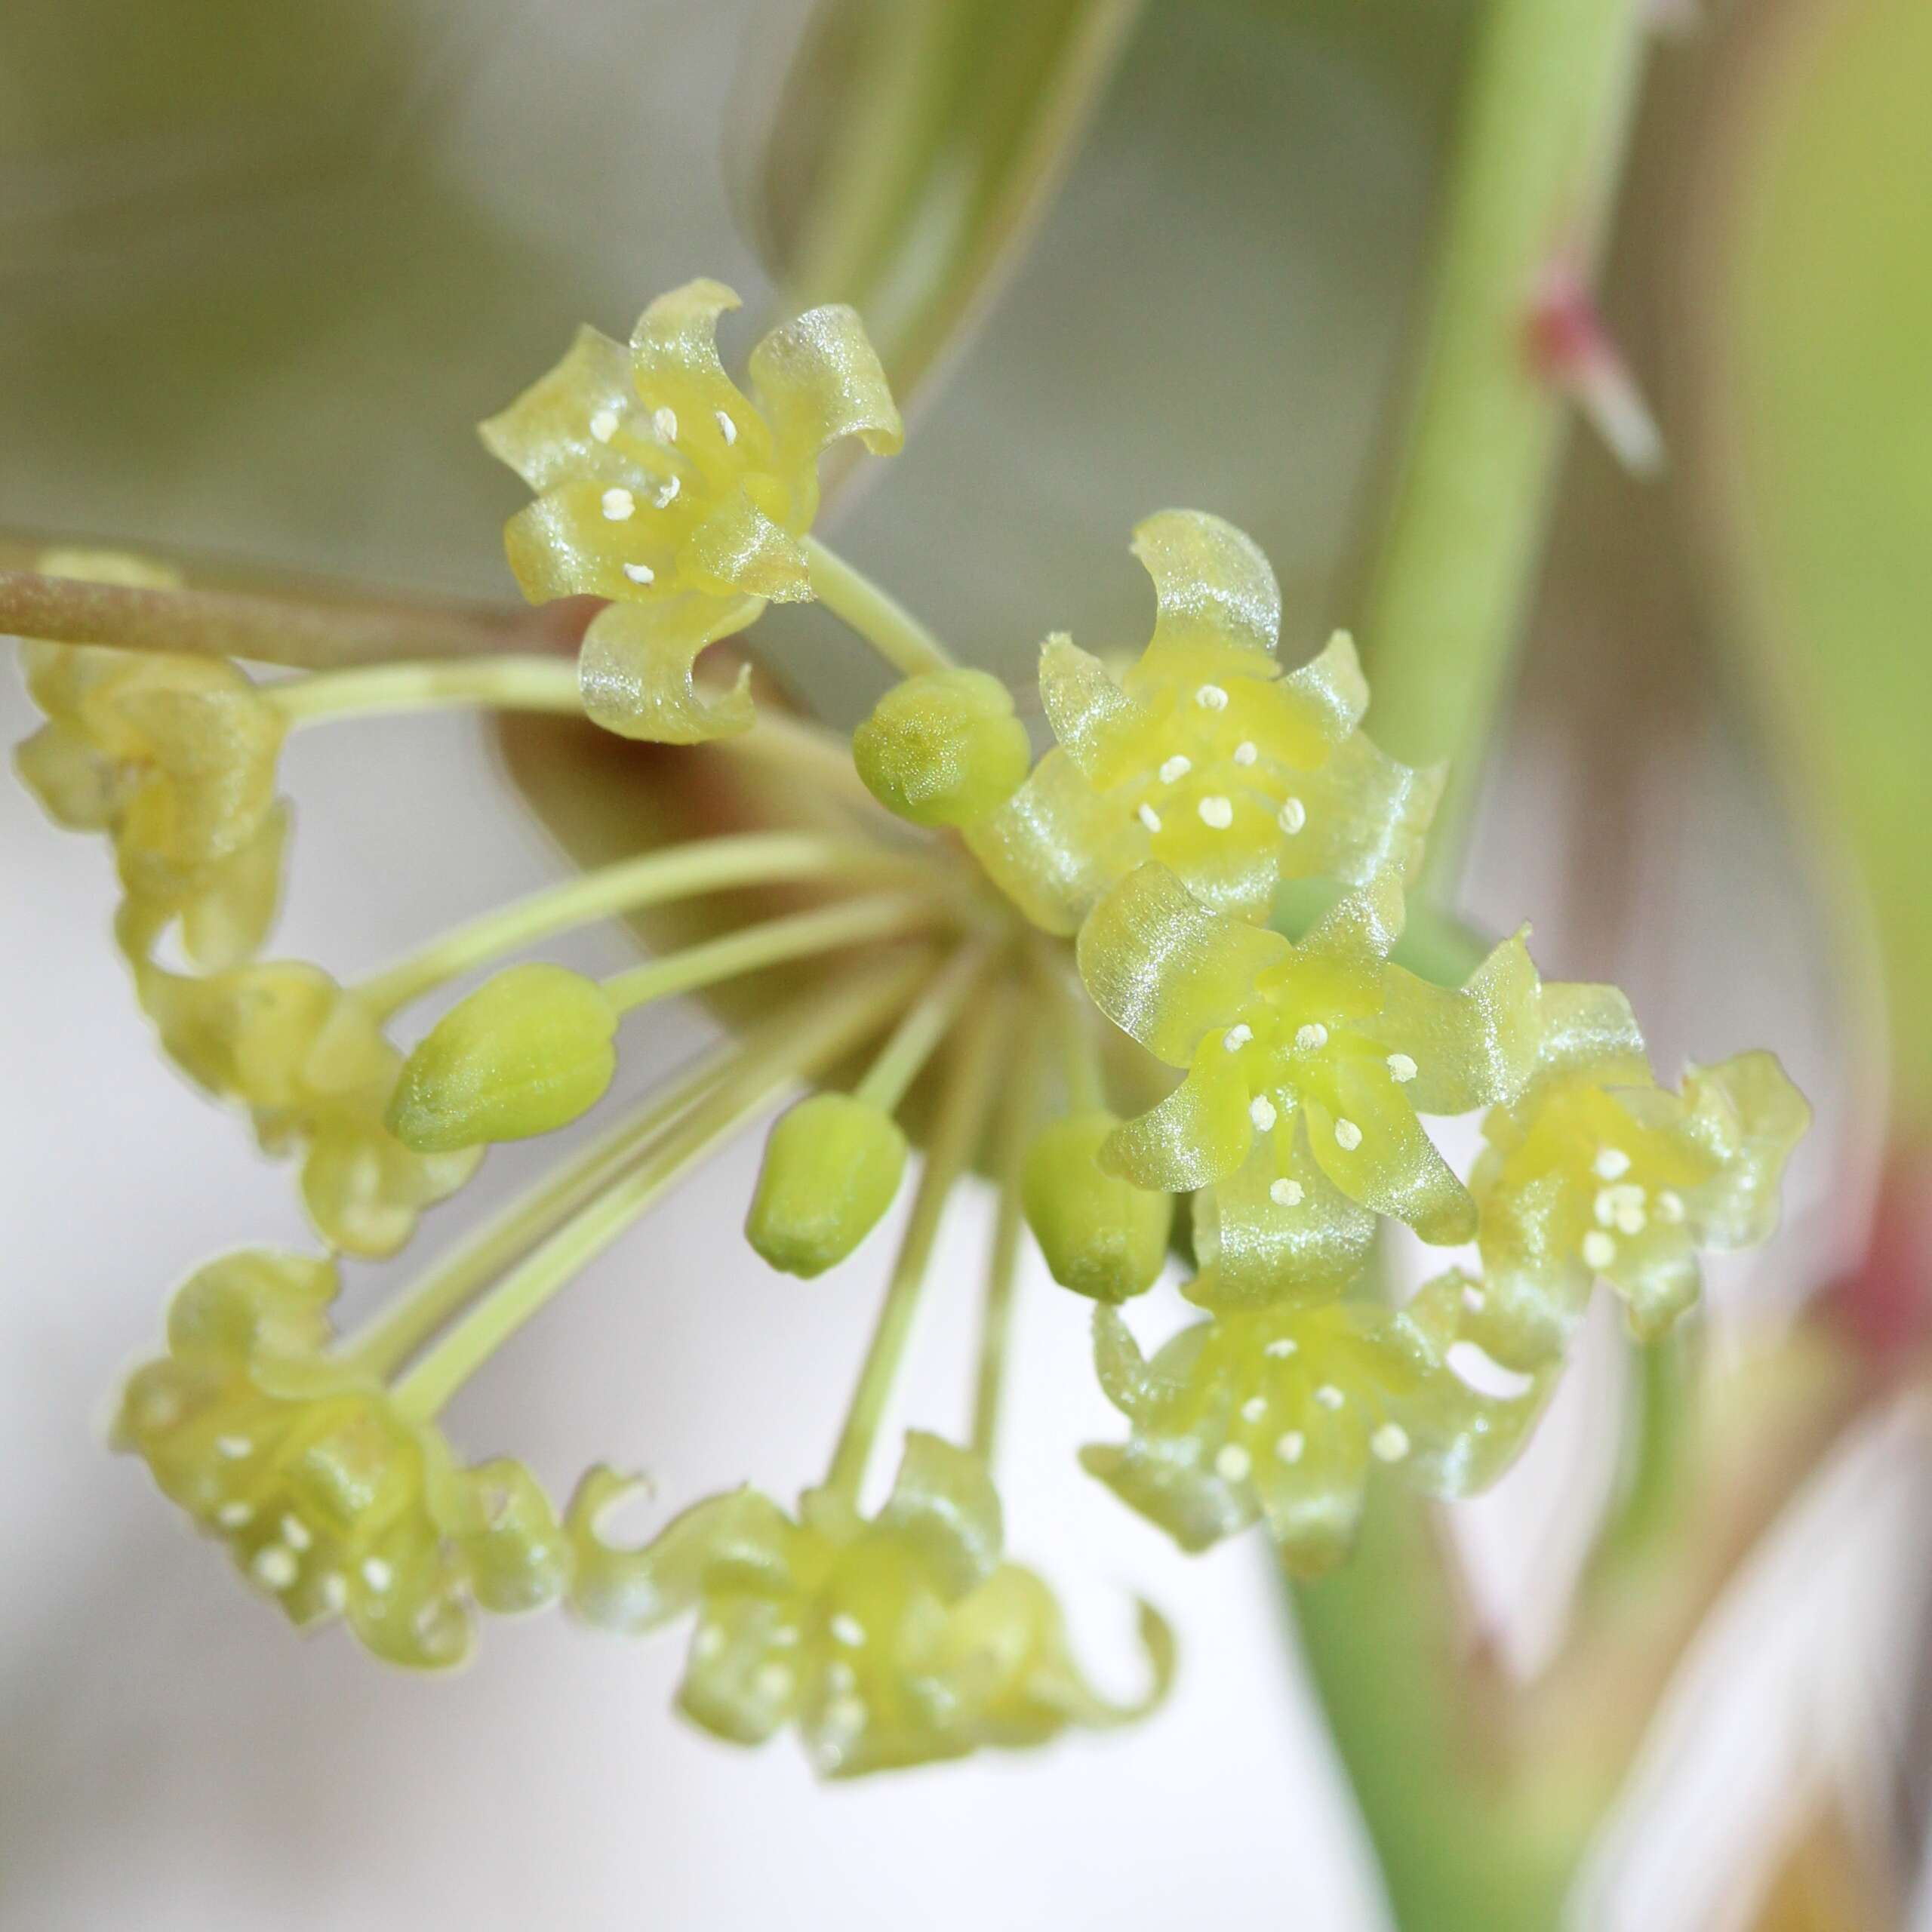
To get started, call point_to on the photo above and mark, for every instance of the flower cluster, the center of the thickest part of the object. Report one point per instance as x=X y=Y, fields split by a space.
x=663 y=487
x=174 y=758
x=894 y=1640
x=332 y=1497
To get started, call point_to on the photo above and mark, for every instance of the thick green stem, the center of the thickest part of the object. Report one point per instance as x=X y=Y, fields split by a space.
x=926 y=1023
x=886 y=625
x=962 y=1115
x=1547 y=106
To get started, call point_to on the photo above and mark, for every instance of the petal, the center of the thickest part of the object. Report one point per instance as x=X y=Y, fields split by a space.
x=818 y=378
x=1199 y=1132
x=546 y=436
x=77 y=788
x=742 y=1536
x=1166 y=969
x=563 y=545
x=1097 y=725
x=1745 y=1110
x=255 y=1302
x=1656 y=1275
x=518 y=1556
x=1162 y=1478
x=635 y=667
x=1118 y=1364
x=1393 y=1167
x=1585 y=1030
x=674 y=350
x=1056 y=845
x=1257 y=1249
x=738 y=548
x=1231 y=864
x=1298 y=721
x=1470 y=1048
x=1535 y=1286
x=1219 y=608
x=1366 y=813
x=943 y=1500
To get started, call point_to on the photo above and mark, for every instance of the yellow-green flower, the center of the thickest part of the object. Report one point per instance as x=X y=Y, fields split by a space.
x=663 y=487
x=1284 y=1414
x=1309 y=1067
x=175 y=759
x=331 y=1499
x=896 y=1640
x=1596 y=1171
x=1203 y=755
x=311 y=1064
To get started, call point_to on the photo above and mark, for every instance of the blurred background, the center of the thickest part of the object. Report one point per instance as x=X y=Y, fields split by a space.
x=262 y=271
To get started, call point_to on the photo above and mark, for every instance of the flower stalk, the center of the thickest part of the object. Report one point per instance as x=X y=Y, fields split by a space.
x=885 y=623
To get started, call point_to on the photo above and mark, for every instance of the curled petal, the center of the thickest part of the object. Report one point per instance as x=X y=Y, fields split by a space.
x=1589 y=1030
x=741 y=1538
x=1055 y=844
x=257 y=1302
x=1470 y=1048
x=562 y=544
x=546 y=436
x=1367 y=813
x=1656 y=1275
x=518 y=1556
x=1165 y=968
x=1746 y=1113
x=944 y=1501
x=1360 y=928
x=1277 y=1229
x=1219 y=607
x=635 y=669
x=1329 y=694
x=1098 y=726
x=1163 y=1478
x=674 y=348
x=1535 y=1286
x=1119 y=1363
x=77 y=788
x=818 y=378
x=739 y=548
x=364 y=1190
x=1383 y=1159
x=1201 y=1132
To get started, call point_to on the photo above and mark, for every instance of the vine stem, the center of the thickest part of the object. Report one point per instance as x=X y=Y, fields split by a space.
x=968 y=1096
x=885 y=624
x=1552 y=86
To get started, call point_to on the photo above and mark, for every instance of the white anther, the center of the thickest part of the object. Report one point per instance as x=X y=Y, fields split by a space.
x=784 y=1636
x=1236 y=1037
x=1211 y=697
x=1255 y=1408
x=640 y=573
x=232 y=1515
x=295 y=1532
x=1329 y=1396
x=377 y=1574
x=1474 y=1300
x=1285 y=1193
x=840 y=1677
x=619 y=503
x=1292 y=816
x=1245 y=752
x=604 y=425
x=847 y=1715
x=161 y=1409
x=1670 y=1206
x=233 y=1446
x=1612 y=1164
x=667 y=497
x=664 y=422
x=1312 y=1038
x=708 y=1643
x=1176 y=769
x=1348 y=1136
x=274 y=1567
x=774 y=1682
x=846 y=1629
x=1217 y=813
x=726 y=428
x=1288 y=1447
x=1280 y=1348
x=1150 y=818
x=1631 y=1218
x=1390 y=1443
x=1401 y=1069
x=1233 y=1462
x=1261 y=1111
x=335 y=1590
x=1599 y=1250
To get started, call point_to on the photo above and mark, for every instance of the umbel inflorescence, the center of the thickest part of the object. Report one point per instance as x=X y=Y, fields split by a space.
x=1064 y=971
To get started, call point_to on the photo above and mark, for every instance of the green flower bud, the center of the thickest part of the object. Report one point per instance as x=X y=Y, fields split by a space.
x=944 y=749
x=832 y=1168
x=526 y=1053
x=1101 y=1236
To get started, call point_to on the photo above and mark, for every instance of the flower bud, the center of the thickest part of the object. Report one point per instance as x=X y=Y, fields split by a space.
x=832 y=1168
x=529 y=1051
x=1102 y=1236
x=944 y=749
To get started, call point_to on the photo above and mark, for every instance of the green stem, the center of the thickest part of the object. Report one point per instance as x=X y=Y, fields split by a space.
x=677 y=872
x=1650 y=1494
x=1010 y=1134
x=798 y=936
x=1547 y=112
x=926 y=1023
x=503 y=684
x=955 y=1139
x=834 y=1025
x=887 y=625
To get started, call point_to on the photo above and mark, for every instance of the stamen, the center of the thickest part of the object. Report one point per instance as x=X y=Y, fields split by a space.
x=1670 y=1206
x=1288 y=1447
x=1217 y=813
x=708 y=1643
x=774 y=1682
x=1330 y=1397
x=1233 y=1462
x=1285 y=1193
x=1211 y=697
x=1261 y=1111
x=1348 y=1136
x=335 y=1591
x=1612 y=1164
x=1312 y=1038
x=233 y=1515
x=295 y=1532
x=667 y=497
x=1238 y=1036
x=1390 y=1443
x=1401 y=1069
x=1280 y=1348
x=785 y=1636
x=840 y=1677
x=377 y=1574
x=1177 y=768
x=1255 y=1408
x=1245 y=752
x=1474 y=1300
x=640 y=573
x=618 y=504
x=846 y=1713
x=276 y=1567
x=1292 y=816
x=604 y=425
x=233 y=1446
x=1599 y=1250
x=1150 y=818
x=727 y=428
x=664 y=422
x=846 y=1629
